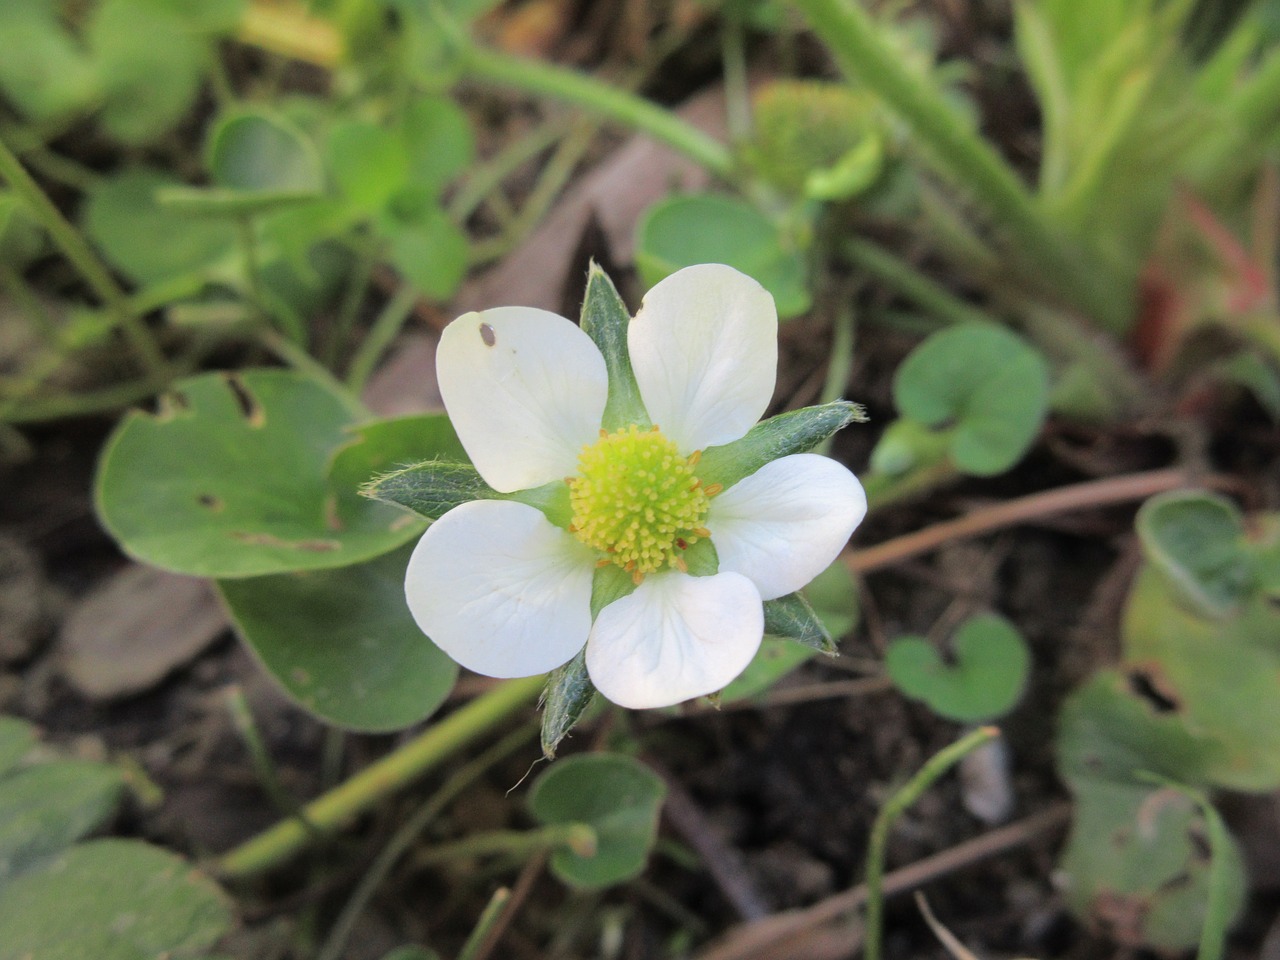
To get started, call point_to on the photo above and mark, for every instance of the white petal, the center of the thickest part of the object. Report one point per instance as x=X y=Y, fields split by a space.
x=784 y=524
x=500 y=589
x=525 y=389
x=675 y=638
x=704 y=348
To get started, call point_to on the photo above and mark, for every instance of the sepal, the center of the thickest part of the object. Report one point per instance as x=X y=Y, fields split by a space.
x=796 y=432
x=604 y=319
x=793 y=618
x=565 y=699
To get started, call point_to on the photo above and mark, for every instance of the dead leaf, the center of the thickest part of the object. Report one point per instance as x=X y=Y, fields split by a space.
x=130 y=632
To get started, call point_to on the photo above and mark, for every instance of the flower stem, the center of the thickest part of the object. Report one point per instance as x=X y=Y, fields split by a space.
x=578 y=837
x=964 y=157
x=331 y=810
x=590 y=92
x=934 y=768
x=488 y=920
x=81 y=255
x=912 y=283
x=385 y=328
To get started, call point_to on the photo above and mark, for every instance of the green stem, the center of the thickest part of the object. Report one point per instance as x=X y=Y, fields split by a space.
x=333 y=809
x=92 y=401
x=488 y=177
x=259 y=755
x=366 y=258
x=403 y=837
x=883 y=489
x=578 y=837
x=733 y=55
x=303 y=362
x=959 y=153
x=488 y=920
x=81 y=255
x=594 y=94
x=909 y=281
x=934 y=768
x=384 y=330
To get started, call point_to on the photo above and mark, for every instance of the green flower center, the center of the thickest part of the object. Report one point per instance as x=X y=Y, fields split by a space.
x=638 y=501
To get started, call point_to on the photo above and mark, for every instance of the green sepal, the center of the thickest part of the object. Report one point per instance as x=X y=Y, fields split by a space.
x=795 y=432
x=610 y=583
x=793 y=618
x=434 y=487
x=604 y=319
x=565 y=699
x=431 y=488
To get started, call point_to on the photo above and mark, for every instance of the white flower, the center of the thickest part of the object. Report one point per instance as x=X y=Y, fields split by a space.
x=507 y=593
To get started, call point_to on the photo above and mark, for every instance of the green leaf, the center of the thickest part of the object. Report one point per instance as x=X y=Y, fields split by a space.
x=230 y=479
x=145 y=240
x=258 y=161
x=342 y=644
x=985 y=681
x=368 y=163
x=605 y=319
x=787 y=433
x=792 y=618
x=1218 y=676
x=111 y=900
x=258 y=151
x=568 y=694
x=618 y=797
x=1195 y=539
x=46 y=807
x=150 y=67
x=709 y=228
x=1135 y=853
x=425 y=246
x=44 y=72
x=984 y=386
x=437 y=136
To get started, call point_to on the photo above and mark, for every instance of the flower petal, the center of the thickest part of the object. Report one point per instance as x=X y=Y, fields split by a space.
x=500 y=589
x=525 y=389
x=676 y=637
x=704 y=348
x=784 y=524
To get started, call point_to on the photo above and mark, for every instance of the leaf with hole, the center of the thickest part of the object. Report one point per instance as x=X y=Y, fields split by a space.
x=342 y=643
x=230 y=478
x=1135 y=862
x=985 y=680
x=984 y=387
x=709 y=228
x=618 y=797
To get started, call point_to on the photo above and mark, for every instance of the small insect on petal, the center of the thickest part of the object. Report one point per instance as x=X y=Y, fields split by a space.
x=487 y=335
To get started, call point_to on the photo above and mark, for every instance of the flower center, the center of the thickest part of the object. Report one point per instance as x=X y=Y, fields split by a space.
x=638 y=500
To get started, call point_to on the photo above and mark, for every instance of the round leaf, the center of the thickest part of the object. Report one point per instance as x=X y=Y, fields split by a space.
x=111 y=900
x=709 y=228
x=1195 y=540
x=424 y=245
x=343 y=644
x=367 y=162
x=985 y=681
x=438 y=138
x=229 y=479
x=618 y=797
x=146 y=241
x=46 y=807
x=258 y=151
x=984 y=385
x=150 y=67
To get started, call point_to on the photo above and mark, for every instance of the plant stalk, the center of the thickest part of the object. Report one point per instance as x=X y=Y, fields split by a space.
x=331 y=810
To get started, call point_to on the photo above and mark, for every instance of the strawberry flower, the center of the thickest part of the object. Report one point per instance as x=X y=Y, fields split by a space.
x=661 y=576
